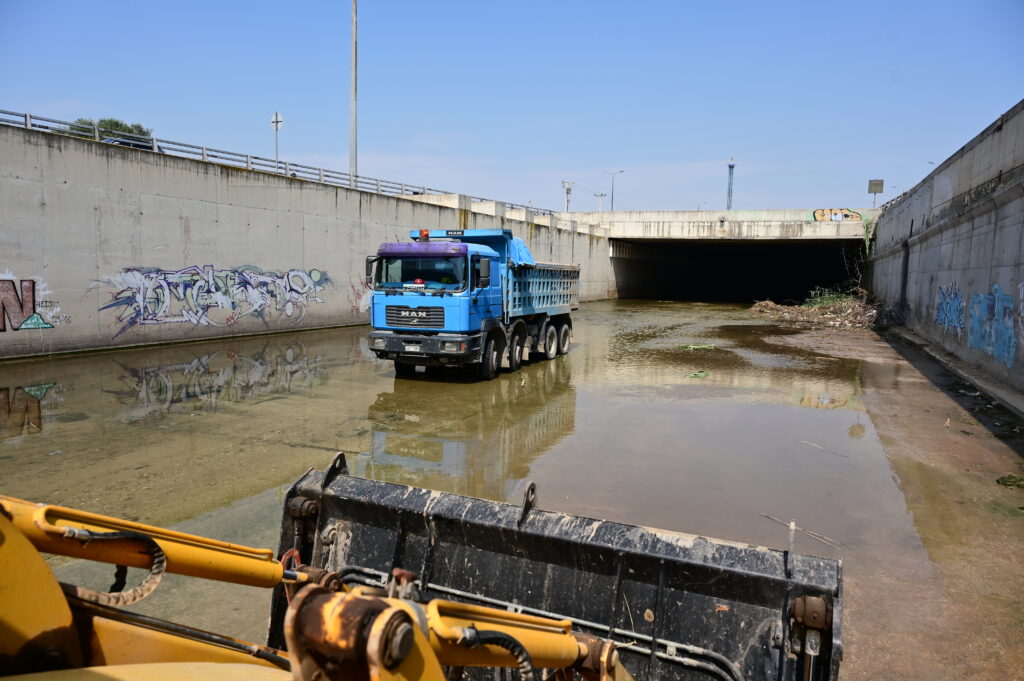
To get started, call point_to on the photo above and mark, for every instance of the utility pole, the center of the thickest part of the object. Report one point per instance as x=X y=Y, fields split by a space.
x=613 y=173
x=276 y=122
x=353 y=151
x=567 y=186
x=599 y=197
x=732 y=169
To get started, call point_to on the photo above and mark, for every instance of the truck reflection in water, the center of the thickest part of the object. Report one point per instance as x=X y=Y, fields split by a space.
x=477 y=439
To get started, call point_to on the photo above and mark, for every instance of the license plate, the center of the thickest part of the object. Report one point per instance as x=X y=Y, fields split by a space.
x=412 y=348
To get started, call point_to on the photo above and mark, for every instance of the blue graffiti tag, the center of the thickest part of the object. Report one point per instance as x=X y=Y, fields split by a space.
x=992 y=329
x=949 y=312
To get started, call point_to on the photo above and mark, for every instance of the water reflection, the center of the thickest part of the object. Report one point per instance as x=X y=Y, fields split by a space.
x=203 y=381
x=717 y=351
x=22 y=407
x=477 y=439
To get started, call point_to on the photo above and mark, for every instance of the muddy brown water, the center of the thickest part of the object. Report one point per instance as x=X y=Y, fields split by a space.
x=855 y=440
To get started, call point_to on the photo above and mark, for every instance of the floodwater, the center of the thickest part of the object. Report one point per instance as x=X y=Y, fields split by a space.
x=690 y=417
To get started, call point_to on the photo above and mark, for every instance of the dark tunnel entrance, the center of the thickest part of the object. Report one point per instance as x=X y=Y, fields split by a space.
x=784 y=271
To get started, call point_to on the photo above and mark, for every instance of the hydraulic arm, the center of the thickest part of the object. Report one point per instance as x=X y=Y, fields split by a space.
x=332 y=630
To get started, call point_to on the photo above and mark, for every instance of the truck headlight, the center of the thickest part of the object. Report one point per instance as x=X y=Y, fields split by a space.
x=452 y=346
x=380 y=343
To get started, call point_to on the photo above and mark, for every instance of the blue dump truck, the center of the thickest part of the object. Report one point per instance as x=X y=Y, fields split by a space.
x=468 y=298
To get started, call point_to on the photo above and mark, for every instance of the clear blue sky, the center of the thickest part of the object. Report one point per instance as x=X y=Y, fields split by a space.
x=506 y=99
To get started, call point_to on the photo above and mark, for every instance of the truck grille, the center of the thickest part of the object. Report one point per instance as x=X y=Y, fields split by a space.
x=425 y=317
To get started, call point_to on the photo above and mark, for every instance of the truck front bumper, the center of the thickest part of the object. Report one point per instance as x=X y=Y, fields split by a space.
x=434 y=350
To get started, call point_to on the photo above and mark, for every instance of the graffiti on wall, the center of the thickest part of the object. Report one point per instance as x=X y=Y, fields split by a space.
x=26 y=304
x=992 y=326
x=835 y=215
x=205 y=296
x=949 y=312
x=1020 y=310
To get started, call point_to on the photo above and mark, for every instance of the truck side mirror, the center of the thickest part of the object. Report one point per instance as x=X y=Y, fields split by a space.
x=485 y=272
x=370 y=260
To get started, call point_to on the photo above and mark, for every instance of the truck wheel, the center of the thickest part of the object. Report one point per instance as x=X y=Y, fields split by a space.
x=564 y=337
x=550 y=342
x=404 y=369
x=515 y=351
x=489 y=361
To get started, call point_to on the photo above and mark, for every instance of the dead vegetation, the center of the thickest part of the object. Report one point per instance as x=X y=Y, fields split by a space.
x=825 y=309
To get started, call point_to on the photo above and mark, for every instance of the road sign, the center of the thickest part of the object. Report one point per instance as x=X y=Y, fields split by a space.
x=277 y=121
x=875 y=186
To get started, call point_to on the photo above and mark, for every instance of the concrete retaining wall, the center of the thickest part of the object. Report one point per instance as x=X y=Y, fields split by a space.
x=949 y=253
x=104 y=246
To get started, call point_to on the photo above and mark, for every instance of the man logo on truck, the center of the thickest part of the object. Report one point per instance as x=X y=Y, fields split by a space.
x=411 y=313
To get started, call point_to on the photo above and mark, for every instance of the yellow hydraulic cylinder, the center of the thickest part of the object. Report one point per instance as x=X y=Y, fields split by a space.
x=187 y=554
x=550 y=643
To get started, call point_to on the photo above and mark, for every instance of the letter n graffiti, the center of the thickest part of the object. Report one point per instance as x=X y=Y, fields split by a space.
x=13 y=308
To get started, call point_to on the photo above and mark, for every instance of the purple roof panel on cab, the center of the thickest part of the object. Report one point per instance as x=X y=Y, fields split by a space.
x=437 y=249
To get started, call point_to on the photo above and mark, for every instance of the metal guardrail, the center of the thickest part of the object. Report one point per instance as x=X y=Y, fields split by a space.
x=231 y=158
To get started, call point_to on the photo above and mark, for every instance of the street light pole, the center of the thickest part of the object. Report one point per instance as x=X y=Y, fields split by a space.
x=353 y=151
x=600 y=202
x=613 y=173
x=276 y=122
x=732 y=168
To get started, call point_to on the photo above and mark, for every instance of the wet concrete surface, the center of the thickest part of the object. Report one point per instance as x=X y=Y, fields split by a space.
x=865 y=442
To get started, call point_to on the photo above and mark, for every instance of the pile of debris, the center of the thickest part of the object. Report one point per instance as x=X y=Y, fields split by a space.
x=847 y=313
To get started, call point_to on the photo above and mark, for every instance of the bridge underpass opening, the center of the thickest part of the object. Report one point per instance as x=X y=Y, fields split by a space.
x=784 y=271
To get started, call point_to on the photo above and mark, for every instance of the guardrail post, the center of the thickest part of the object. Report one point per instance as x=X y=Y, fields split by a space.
x=205 y=157
x=321 y=176
x=28 y=121
x=402 y=190
x=248 y=162
x=352 y=181
x=287 y=168
x=378 y=185
x=153 y=143
x=96 y=132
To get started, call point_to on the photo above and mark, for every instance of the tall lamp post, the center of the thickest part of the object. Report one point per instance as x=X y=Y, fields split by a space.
x=600 y=202
x=732 y=169
x=353 y=167
x=276 y=122
x=613 y=173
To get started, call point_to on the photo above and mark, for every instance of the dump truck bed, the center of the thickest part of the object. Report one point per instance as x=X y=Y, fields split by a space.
x=680 y=606
x=543 y=288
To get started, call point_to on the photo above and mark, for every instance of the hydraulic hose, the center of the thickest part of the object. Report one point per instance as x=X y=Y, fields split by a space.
x=472 y=638
x=113 y=597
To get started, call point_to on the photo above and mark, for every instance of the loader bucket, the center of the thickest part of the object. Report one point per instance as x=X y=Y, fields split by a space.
x=680 y=606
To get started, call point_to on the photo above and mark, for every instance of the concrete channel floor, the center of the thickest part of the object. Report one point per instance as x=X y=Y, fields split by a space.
x=863 y=438
x=958 y=614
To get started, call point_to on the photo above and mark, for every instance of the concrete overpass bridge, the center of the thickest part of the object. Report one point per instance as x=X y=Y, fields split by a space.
x=733 y=255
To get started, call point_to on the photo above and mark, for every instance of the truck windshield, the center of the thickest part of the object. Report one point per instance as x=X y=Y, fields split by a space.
x=437 y=274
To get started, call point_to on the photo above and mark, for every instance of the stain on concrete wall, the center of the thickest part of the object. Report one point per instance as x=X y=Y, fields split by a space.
x=949 y=311
x=205 y=296
x=836 y=215
x=992 y=327
x=26 y=304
